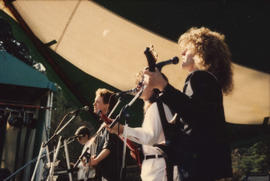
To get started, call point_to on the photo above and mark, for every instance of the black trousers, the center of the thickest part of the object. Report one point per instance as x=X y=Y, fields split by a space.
x=91 y=179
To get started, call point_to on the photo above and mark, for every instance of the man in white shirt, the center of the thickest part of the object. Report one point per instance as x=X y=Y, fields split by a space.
x=151 y=132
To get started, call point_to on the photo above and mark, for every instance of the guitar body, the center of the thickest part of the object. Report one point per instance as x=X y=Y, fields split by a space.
x=135 y=149
x=85 y=171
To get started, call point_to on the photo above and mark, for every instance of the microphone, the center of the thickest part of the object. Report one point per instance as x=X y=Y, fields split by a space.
x=174 y=60
x=130 y=91
x=84 y=108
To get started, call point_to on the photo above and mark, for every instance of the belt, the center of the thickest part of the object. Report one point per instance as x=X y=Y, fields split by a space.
x=146 y=157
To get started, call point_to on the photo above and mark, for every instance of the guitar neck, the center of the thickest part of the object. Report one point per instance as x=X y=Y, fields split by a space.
x=151 y=60
x=108 y=121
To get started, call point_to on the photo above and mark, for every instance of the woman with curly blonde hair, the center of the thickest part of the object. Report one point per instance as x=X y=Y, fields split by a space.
x=207 y=58
x=211 y=54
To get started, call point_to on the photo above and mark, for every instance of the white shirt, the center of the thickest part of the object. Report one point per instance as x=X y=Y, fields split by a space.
x=149 y=134
x=151 y=131
x=85 y=172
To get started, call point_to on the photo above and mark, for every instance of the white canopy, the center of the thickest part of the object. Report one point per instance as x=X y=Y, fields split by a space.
x=111 y=48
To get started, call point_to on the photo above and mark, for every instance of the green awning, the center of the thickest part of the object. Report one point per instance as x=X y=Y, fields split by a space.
x=16 y=72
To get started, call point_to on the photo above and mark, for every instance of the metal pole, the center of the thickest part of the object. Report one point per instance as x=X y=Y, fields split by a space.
x=123 y=170
x=38 y=160
x=67 y=159
x=32 y=161
x=52 y=164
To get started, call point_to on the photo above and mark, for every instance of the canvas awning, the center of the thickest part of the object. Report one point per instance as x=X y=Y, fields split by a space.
x=110 y=48
x=15 y=72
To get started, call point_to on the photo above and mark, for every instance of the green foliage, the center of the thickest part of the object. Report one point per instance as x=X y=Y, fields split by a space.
x=253 y=158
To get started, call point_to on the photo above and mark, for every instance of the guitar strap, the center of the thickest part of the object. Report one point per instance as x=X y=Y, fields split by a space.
x=165 y=126
x=101 y=140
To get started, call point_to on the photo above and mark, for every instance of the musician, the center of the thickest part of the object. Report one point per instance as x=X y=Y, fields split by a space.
x=108 y=154
x=153 y=166
x=207 y=57
x=85 y=173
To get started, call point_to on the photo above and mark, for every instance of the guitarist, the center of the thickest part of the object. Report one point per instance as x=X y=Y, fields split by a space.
x=154 y=165
x=83 y=137
x=207 y=58
x=108 y=154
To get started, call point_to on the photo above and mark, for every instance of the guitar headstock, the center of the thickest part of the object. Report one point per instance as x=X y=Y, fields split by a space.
x=151 y=56
x=153 y=52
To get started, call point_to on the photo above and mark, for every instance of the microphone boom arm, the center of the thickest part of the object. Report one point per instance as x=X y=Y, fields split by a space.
x=160 y=65
x=124 y=109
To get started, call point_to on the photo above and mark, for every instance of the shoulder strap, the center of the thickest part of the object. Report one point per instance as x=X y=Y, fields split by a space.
x=165 y=125
x=101 y=141
x=163 y=119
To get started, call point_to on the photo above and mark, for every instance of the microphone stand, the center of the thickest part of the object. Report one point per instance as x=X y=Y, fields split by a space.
x=123 y=113
x=45 y=145
x=52 y=164
x=123 y=166
x=109 y=116
x=126 y=107
x=74 y=115
x=34 y=160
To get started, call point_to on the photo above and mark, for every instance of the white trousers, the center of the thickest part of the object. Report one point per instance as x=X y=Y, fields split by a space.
x=155 y=170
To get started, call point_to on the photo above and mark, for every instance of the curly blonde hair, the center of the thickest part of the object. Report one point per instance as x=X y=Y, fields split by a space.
x=212 y=52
